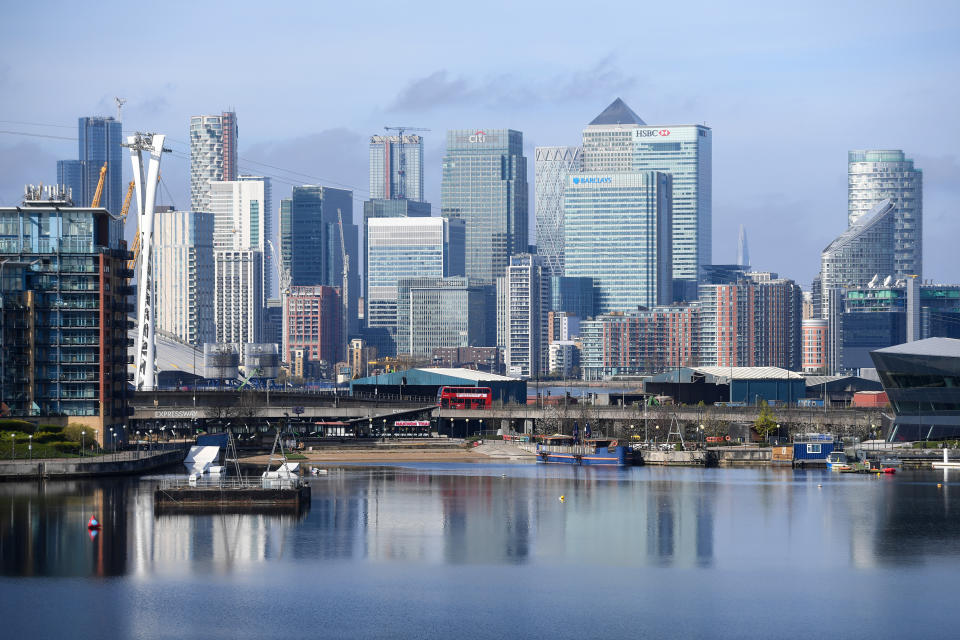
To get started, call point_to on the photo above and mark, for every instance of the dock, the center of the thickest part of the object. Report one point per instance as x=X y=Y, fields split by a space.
x=233 y=495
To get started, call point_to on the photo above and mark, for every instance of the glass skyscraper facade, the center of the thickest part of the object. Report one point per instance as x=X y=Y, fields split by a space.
x=618 y=140
x=551 y=167
x=100 y=140
x=875 y=175
x=183 y=250
x=443 y=312
x=406 y=248
x=485 y=185
x=386 y=180
x=617 y=231
x=310 y=241
x=70 y=176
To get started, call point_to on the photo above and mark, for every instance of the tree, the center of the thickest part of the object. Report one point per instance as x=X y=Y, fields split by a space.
x=765 y=424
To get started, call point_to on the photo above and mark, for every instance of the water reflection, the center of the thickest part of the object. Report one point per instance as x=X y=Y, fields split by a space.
x=487 y=515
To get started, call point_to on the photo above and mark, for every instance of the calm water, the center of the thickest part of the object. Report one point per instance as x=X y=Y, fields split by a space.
x=489 y=551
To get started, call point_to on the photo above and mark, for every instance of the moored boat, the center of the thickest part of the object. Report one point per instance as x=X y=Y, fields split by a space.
x=594 y=452
x=837 y=461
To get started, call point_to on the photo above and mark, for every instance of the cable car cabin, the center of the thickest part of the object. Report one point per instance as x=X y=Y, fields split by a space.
x=465 y=397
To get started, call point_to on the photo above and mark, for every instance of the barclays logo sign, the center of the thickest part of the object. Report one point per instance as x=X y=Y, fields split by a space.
x=592 y=180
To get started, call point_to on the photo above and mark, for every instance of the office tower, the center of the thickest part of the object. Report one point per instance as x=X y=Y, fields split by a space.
x=754 y=322
x=100 y=140
x=405 y=248
x=563 y=357
x=861 y=254
x=618 y=140
x=527 y=289
x=183 y=255
x=617 y=231
x=64 y=300
x=311 y=249
x=876 y=175
x=551 y=167
x=243 y=219
x=574 y=295
x=387 y=180
x=814 y=345
x=70 y=176
x=238 y=295
x=489 y=359
x=443 y=312
x=313 y=324
x=485 y=185
x=879 y=316
x=639 y=342
x=213 y=155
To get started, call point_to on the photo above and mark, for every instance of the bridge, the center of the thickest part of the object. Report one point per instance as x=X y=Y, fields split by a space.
x=257 y=409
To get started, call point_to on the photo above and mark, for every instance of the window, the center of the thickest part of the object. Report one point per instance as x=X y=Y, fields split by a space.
x=813 y=448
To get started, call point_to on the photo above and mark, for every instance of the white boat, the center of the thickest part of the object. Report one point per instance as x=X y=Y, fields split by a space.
x=837 y=461
x=946 y=464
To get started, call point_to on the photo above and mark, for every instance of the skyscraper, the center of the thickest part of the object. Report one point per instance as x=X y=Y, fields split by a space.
x=443 y=312
x=386 y=180
x=238 y=295
x=243 y=219
x=184 y=275
x=551 y=167
x=213 y=155
x=405 y=248
x=100 y=140
x=617 y=231
x=618 y=140
x=70 y=176
x=875 y=175
x=485 y=185
x=310 y=242
x=528 y=293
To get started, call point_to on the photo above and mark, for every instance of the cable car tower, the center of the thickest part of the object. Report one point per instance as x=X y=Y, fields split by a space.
x=146 y=187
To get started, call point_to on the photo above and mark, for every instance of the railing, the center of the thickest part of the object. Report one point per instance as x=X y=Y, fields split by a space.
x=222 y=482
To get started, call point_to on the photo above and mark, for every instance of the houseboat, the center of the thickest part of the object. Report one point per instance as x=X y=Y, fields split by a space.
x=561 y=449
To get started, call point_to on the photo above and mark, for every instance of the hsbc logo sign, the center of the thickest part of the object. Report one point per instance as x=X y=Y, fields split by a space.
x=652 y=133
x=479 y=136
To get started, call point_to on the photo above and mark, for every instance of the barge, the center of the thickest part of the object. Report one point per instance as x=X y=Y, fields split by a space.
x=593 y=452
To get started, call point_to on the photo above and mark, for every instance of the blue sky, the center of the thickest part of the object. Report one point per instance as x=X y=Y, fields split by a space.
x=787 y=91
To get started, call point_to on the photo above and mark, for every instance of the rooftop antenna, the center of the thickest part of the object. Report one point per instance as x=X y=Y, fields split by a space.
x=120 y=102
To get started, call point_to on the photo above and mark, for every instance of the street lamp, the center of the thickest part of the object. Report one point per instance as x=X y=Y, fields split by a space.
x=83 y=437
x=13 y=440
x=656 y=435
x=701 y=435
x=30 y=445
x=466 y=429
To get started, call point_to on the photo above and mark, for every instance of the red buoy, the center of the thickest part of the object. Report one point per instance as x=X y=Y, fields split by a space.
x=93 y=524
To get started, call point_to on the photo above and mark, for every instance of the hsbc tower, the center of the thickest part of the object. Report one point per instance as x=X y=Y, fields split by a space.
x=618 y=140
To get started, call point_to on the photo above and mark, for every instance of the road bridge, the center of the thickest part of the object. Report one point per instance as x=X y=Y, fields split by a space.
x=256 y=409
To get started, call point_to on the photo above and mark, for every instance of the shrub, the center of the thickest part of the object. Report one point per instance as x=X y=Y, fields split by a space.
x=16 y=425
x=73 y=430
x=49 y=428
x=64 y=447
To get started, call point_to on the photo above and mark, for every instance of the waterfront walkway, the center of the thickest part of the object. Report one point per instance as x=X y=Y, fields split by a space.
x=120 y=463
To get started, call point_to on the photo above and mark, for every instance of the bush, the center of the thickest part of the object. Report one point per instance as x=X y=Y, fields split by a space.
x=64 y=447
x=16 y=425
x=73 y=431
x=49 y=428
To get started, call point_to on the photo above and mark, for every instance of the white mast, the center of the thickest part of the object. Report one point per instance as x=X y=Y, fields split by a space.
x=146 y=364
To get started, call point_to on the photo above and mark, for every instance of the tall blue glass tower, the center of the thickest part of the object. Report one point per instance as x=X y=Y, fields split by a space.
x=100 y=140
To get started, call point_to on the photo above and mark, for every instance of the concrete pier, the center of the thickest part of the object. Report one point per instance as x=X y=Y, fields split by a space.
x=122 y=463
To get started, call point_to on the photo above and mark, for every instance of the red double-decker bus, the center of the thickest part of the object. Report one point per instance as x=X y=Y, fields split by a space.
x=465 y=397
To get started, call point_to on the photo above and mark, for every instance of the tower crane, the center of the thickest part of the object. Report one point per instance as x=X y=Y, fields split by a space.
x=284 y=279
x=400 y=192
x=99 y=192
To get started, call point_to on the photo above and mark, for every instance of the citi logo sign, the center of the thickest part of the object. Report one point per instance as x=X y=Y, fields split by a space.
x=591 y=180
x=650 y=133
x=479 y=136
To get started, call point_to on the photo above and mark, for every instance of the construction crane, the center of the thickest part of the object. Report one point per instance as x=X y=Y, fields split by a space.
x=284 y=279
x=345 y=288
x=135 y=249
x=99 y=192
x=399 y=193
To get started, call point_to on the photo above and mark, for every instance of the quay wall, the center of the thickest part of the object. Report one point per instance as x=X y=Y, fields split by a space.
x=125 y=463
